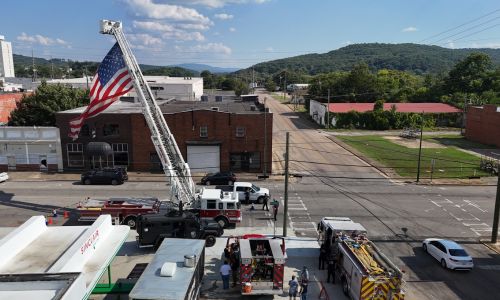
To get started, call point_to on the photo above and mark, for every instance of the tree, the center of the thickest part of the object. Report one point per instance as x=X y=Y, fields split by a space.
x=40 y=108
x=240 y=88
x=469 y=75
x=208 y=79
x=379 y=105
x=270 y=85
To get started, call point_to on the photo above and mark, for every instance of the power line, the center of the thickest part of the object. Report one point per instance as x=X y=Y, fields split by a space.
x=465 y=30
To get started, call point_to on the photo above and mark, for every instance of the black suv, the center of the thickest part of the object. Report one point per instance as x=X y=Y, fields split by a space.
x=153 y=228
x=104 y=176
x=121 y=169
x=227 y=178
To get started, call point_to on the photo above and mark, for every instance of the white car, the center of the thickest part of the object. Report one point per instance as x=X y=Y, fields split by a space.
x=4 y=176
x=450 y=254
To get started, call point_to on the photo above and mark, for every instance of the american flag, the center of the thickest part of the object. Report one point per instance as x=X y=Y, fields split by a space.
x=111 y=81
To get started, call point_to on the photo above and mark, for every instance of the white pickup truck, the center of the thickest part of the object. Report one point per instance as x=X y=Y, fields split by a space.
x=257 y=194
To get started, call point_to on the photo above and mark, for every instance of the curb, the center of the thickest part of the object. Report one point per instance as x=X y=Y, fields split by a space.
x=488 y=245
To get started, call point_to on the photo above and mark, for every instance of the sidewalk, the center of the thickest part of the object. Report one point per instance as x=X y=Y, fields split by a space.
x=133 y=177
x=301 y=252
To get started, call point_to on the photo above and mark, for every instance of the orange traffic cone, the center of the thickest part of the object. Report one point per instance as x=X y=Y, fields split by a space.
x=66 y=214
x=49 y=221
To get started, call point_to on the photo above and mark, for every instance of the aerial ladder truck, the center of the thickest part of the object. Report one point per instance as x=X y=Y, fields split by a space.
x=209 y=204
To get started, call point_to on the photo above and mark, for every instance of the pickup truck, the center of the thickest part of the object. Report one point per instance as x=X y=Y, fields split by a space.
x=257 y=194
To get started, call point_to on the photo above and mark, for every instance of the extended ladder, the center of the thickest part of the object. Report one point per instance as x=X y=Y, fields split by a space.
x=171 y=158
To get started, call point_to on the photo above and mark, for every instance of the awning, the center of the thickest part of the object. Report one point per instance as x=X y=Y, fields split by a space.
x=98 y=149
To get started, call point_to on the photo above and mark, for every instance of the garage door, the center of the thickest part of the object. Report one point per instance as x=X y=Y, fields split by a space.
x=203 y=159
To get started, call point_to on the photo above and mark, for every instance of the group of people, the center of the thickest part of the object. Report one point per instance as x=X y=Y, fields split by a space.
x=274 y=203
x=299 y=287
x=231 y=265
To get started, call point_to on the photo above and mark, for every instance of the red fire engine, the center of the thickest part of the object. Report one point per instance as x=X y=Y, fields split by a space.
x=262 y=264
x=125 y=210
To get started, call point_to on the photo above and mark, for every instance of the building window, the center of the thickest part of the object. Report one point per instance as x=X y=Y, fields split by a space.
x=75 y=154
x=211 y=204
x=204 y=131
x=120 y=154
x=246 y=161
x=85 y=131
x=111 y=130
x=240 y=131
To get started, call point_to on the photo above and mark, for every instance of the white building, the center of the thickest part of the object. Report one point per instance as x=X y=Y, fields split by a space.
x=30 y=149
x=163 y=87
x=318 y=112
x=6 y=58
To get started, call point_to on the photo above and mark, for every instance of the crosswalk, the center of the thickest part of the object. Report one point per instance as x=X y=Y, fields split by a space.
x=298 y=216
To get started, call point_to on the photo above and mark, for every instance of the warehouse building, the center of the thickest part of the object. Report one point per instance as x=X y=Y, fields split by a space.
x=212 y=136
x=483 y=124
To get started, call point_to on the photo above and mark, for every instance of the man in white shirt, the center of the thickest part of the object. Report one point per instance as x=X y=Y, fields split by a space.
x=225 y=271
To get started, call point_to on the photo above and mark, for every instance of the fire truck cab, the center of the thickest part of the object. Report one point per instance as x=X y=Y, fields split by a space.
x=215 y=204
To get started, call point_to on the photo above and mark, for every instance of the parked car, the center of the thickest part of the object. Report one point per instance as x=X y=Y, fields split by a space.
x=256 y=194
x=450 y=254
x=121 y=169
x=104 y=176
x=219 y=178
x=4 y=176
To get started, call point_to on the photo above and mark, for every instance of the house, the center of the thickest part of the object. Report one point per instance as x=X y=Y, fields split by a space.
x=230 y=135
x=483 y=124
x=318 y=110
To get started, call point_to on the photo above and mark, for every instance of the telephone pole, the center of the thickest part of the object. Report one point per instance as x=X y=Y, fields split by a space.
x=285 y=209
x=328 y=111
x=33 y=65
x=494 y=233
x=420 y=147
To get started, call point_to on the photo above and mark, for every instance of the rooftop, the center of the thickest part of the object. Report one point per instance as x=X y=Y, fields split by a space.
x=400 y=107
x=149 y=79
x=175 y=106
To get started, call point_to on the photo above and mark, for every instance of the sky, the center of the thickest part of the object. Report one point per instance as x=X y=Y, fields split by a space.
x=241 y=33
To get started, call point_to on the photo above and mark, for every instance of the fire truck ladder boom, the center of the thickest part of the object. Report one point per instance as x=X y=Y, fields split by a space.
x=171 y=158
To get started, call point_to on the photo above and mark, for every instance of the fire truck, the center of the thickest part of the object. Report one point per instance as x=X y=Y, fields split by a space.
x=364 y=271
x=262 y=263
x=177 y=171
x=122 y=210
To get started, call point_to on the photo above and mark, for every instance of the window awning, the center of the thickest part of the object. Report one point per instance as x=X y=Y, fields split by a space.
x=98 y=149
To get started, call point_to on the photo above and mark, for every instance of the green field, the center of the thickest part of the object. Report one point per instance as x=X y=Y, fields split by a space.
x=449 y=162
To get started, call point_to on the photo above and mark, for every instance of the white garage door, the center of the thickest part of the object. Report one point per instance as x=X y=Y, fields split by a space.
x=203 y=159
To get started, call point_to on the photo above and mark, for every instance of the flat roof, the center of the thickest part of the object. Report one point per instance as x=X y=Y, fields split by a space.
x=41 y=286
x=176 y=106
x=37 y=248
x=149 y=79
x=400 y=107
x=153 y=286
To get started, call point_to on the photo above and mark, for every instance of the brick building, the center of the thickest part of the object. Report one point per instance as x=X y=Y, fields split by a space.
x=211 y=135
x=483 y=124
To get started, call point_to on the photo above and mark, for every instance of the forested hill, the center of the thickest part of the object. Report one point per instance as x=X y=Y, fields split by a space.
x=419 y=59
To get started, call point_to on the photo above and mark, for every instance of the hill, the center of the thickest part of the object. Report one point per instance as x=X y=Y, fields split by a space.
x=57 y=68
x=201 y=67
x=419 y=59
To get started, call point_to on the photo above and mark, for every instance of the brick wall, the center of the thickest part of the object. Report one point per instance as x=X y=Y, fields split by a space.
x=8 y=102
x=483 y=125
x=185 y=127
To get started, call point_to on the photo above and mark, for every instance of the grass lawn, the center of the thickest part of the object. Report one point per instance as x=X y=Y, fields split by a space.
x=449 y=162
x=458 y=141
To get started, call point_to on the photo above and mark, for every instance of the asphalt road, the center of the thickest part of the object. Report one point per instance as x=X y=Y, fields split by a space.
x=334 y=183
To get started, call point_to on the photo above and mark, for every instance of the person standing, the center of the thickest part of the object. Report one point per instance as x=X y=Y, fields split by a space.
x=225 y=270
x=322 y=256
x=304 y=279
x=303 y=293
x=247 y=195
x=266 y=200
x=235 y=264
x=292 y=290
x=275 y=210
x=331 y=269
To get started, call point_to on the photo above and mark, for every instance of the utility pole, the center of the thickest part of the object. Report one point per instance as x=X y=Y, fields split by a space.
x=51 y=68
x=285 y=210
x=420 y=147
x=33 y=66
x=328 y=112
x=265 y=138
x=253 y=81
x=494 y=233
x=284 y=87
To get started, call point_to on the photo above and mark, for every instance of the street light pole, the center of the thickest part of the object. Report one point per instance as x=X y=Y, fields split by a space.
x=420 y=147
x=287 y=156
x=494 y=233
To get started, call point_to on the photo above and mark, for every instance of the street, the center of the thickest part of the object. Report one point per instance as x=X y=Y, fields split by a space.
x=334 y=182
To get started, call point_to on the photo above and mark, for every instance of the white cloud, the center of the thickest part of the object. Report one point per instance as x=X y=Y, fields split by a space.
x=194 y=26
x=269 y=49
x=40 y=39
x=147 y=8
x=232 y=29
x=346 y=43
x=212 y=48
x=485 y=45
x=223 y=16
x=217 y=3
x=409 y=29
x=144 y=39
x=152 y=26
x=184 y=36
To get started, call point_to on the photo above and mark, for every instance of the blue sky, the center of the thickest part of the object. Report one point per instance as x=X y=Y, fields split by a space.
x=239 y=33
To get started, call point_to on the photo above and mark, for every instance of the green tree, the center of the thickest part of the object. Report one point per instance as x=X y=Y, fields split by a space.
x=270 y=85
x=470 y=75
x=240 y=88
x=40 y=108
x=379 y=105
